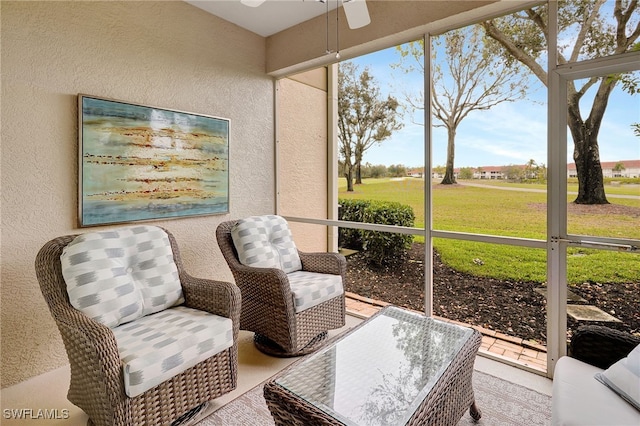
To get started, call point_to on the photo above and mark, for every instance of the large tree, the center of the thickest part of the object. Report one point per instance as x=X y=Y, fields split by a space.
x=464 y=78
x=587 y=34
x=365 y=117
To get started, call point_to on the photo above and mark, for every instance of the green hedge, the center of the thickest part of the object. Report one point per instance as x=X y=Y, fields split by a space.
x=352 y=211
x=379 y=247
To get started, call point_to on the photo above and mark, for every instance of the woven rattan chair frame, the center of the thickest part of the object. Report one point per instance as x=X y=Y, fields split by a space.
x=601 y=346
x=445 y=405
x=267 y=301
x=97 y=382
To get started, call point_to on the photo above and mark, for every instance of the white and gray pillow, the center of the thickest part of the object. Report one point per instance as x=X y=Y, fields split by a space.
x=266 y=242
x=120 y=275
x=623 y=378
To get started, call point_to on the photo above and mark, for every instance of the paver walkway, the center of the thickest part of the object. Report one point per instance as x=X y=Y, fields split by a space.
x=512 y=350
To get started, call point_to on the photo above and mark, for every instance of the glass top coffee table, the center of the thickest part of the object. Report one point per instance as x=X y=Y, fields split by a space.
x=397 y=368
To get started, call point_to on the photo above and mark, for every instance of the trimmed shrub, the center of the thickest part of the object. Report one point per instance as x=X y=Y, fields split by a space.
x=384 y=247
x=351 y=211
x=379 y=248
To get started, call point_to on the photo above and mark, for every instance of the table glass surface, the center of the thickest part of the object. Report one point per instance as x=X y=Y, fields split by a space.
x=379 y=373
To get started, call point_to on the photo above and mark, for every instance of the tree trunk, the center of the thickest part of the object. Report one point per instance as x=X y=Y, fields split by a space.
x=356 y=164
x=449 y=175
x=348 y=174
x=590 y=180
x=358 y=174
x=586 y=153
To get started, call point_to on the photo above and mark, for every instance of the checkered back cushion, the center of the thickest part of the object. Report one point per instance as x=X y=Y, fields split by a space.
x=120 y=275
x=266 y=242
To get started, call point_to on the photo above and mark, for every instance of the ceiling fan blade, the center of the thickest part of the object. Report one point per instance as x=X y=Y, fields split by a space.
x=252 y=3
x=357 y=13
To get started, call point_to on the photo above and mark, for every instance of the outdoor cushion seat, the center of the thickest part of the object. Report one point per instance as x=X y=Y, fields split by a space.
x=311 y=288
x=290 y=298
x=159 y=346
x=148 y=344
x=579 y=398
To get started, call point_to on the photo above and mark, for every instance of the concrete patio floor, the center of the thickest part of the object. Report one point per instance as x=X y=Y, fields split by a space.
x=48 y=391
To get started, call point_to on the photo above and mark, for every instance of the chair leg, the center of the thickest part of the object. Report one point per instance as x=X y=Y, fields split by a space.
x=192 y=416
x=475 y=412
x=269 y=347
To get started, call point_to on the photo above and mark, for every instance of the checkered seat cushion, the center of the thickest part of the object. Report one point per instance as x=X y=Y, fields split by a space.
x=157 y=347
x=266 y=242
x=310 y=288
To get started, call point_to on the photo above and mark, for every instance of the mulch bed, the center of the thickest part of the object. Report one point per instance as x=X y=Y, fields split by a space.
x=509 y=307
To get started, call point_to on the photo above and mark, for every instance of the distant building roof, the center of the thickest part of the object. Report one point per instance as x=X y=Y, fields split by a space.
x=628 y=164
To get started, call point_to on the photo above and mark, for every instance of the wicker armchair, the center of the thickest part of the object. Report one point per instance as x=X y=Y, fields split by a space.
x=97 y=379
x=580 y=397
x=601 y=346
x=268 y=305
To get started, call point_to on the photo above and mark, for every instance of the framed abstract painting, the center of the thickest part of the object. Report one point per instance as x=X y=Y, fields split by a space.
x=141 y=163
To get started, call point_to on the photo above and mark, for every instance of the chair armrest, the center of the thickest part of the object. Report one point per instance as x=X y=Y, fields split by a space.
x=91 y=346
x=93 y=356
x=217 y=297
x=601 y=346
x=267 y=285
x=324 y=263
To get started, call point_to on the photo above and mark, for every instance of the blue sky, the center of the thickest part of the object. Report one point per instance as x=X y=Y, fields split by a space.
x=510 y=133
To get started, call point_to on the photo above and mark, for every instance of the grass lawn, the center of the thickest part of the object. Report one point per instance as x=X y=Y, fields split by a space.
x=493 y=211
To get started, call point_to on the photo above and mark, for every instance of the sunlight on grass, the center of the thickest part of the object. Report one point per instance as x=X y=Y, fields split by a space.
x=486 y=210
x=611 y=267
x=493 y=260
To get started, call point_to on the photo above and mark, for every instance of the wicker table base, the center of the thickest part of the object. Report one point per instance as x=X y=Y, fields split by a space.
x=398 y=368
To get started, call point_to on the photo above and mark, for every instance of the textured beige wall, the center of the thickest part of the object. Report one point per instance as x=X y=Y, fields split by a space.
x=302 y=155
x=393 y=22
x=166 y=54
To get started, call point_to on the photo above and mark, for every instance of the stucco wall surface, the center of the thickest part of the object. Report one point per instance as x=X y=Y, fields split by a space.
x=302 y=155
x=165 y=54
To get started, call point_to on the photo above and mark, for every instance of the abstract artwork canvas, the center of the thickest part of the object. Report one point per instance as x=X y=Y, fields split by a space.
x=143 y=163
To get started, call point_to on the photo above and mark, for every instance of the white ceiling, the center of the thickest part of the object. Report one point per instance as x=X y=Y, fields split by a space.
x=270 y=17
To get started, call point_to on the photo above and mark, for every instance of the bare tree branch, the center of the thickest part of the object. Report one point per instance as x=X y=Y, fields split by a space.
x=467 y=79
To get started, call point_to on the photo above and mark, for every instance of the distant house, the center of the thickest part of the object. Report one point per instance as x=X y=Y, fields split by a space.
x=416 y=173
x=438 y=175
x=612 y=169
x=489 y=172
